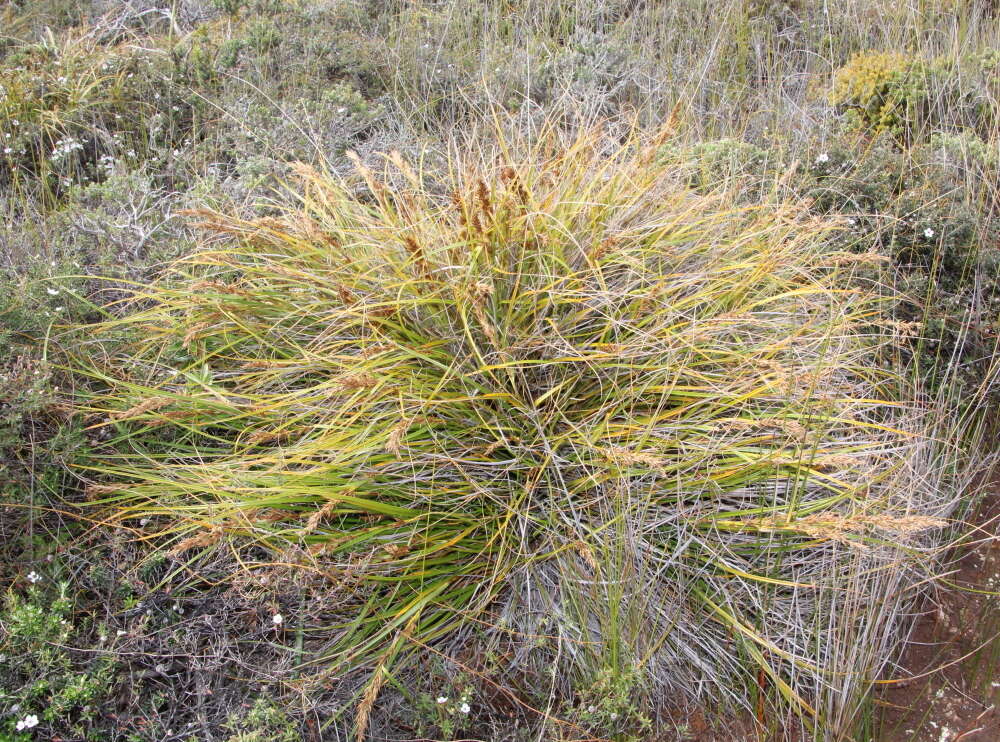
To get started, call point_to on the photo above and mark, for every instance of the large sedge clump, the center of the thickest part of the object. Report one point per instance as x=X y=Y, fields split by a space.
x=571 y=413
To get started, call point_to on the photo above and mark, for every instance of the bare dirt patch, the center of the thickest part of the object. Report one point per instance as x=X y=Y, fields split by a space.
x=953 y=657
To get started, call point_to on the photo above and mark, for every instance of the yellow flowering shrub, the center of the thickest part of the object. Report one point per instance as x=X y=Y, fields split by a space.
x=911 y=97
x=881 y=91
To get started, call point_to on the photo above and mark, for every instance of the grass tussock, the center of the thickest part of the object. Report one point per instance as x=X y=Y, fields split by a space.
x=564 y=411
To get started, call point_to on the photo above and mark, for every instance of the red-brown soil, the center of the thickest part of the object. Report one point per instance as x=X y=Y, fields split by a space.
x=953 y=657
x=947 y=688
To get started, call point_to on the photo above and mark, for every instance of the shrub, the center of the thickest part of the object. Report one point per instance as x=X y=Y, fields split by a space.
x=263 y=722
x=630 y=433
x=722 y=163
x=68 y=102
x=909 y=97
x=929 y=211
x=881 y=91
x=42 y=675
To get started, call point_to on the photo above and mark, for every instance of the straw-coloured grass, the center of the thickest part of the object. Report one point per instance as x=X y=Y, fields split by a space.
x=569 y=412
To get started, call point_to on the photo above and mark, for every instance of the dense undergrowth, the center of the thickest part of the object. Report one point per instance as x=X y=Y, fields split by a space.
x=425 y=407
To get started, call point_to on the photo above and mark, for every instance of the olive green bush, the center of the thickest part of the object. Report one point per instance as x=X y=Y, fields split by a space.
x=909 y=97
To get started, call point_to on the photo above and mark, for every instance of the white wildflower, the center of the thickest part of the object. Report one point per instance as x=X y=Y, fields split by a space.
x=66 y=147
x=929 y=233
x=34 y=577
x=28 y=722
x=442 y=699
x=277 y=618
x=822 y=157
x=52 y=292
x=464 y=708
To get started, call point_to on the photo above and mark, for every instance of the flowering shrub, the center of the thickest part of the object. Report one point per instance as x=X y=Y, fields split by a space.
x=261 y=721
x=44 y=683
x=909 y=97
x=446 y=712
x=608 y=708
x=66 y=104
x=881 y=91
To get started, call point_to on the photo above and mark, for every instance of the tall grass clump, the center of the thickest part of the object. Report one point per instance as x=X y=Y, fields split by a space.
x=562 y=410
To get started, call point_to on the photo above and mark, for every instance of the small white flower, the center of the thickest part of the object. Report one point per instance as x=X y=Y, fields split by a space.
x=822 y=157
x=34 y=577
x=464 y=708
x=7 y=150
x=442 y=699
x=277 y=618
x=591 y=709
x=613 y=716
x=929 y=233
x=52 y=292
x=120 y=632
x=28 y=722
x=143 y=521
